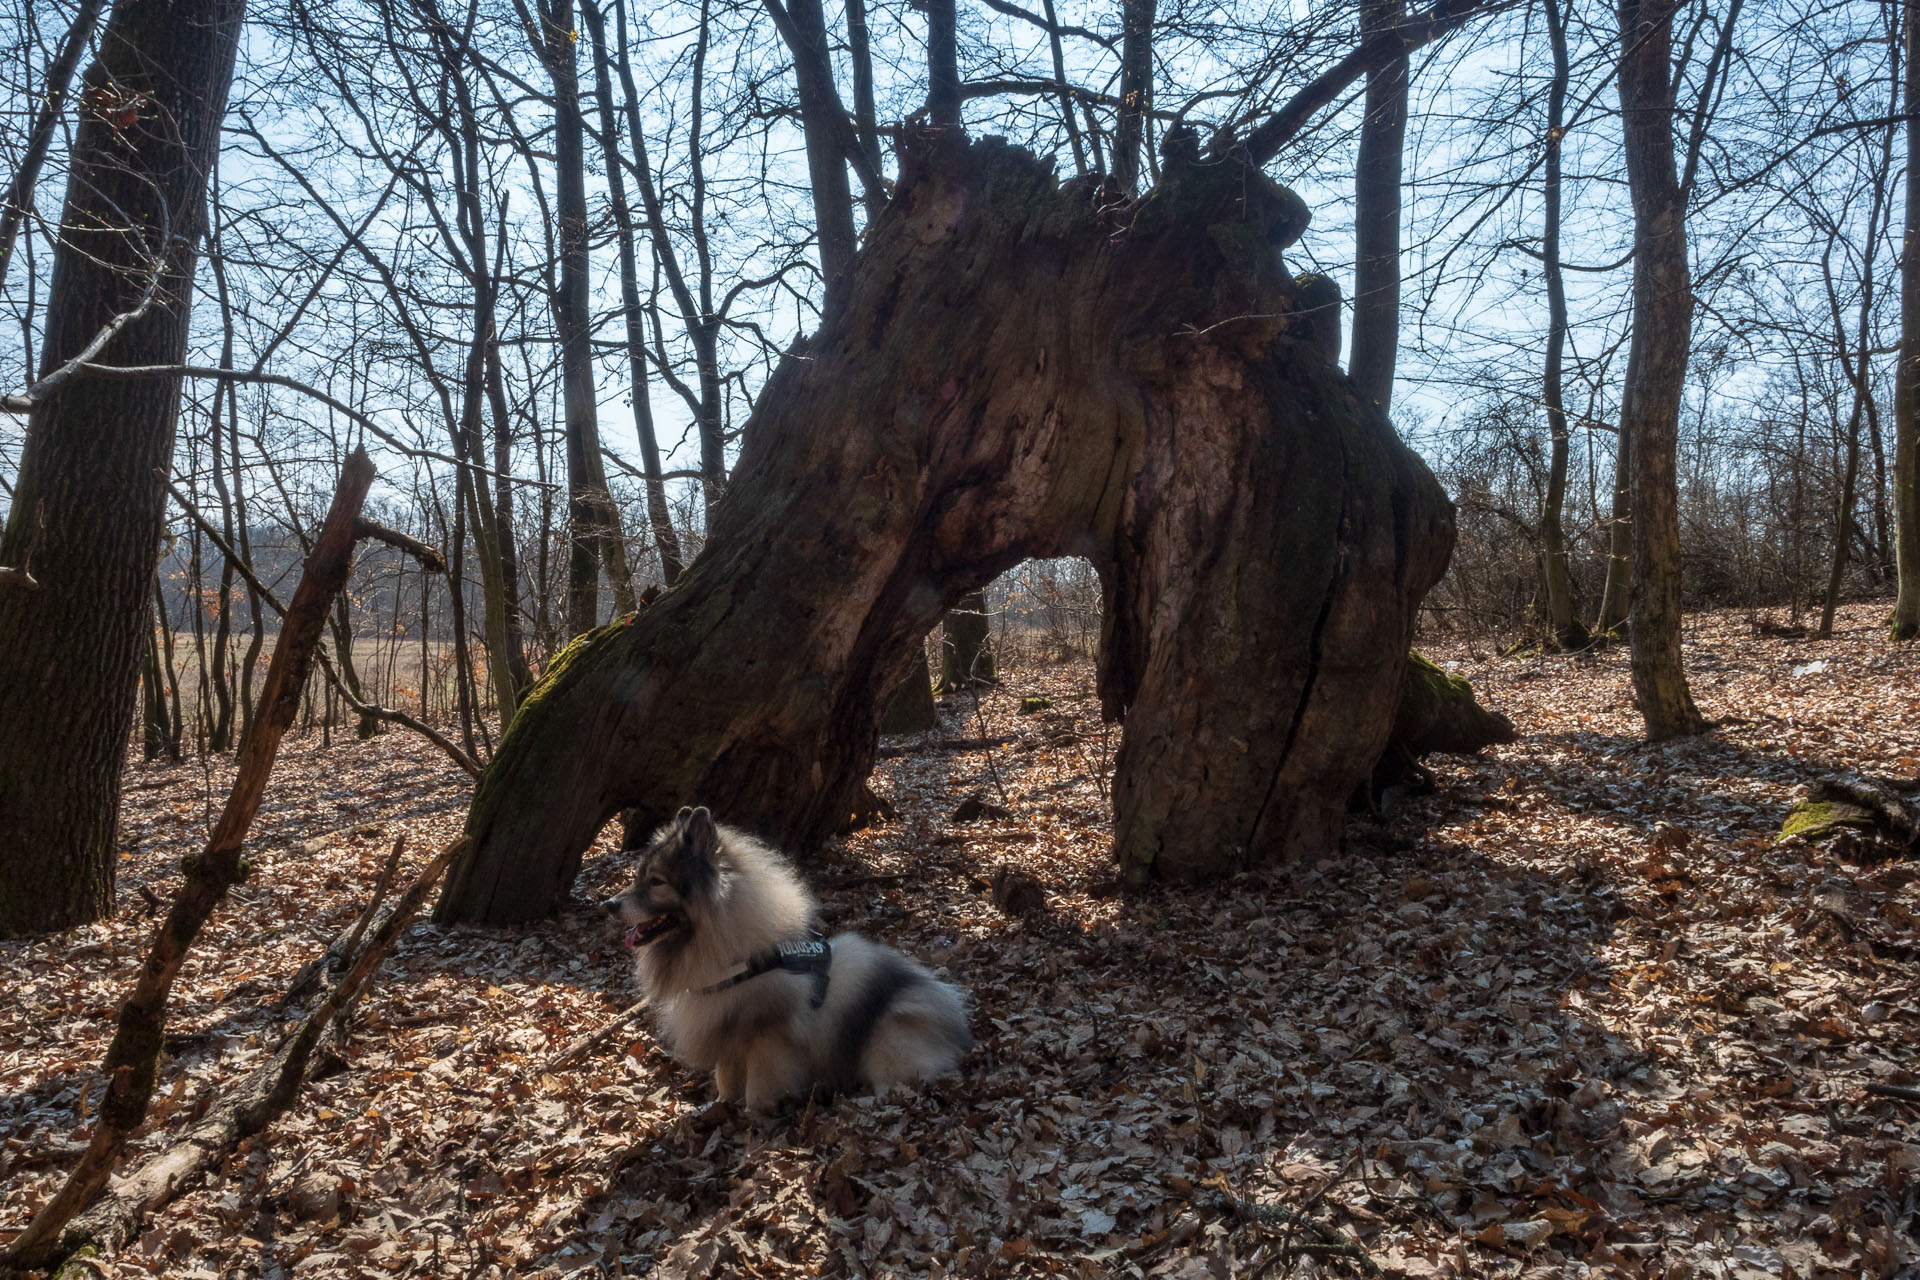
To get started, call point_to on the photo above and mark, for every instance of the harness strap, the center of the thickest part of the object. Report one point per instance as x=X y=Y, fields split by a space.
x=809 y=955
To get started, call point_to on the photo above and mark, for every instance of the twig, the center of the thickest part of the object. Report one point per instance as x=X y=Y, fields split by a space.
x=1331 y=1241
x=1904 y=1092
x=380 y=888
x=948 y=744
x=582 y=1045
x=993 y=770
x=135 y=373
x=854 y=882
x=341 y=947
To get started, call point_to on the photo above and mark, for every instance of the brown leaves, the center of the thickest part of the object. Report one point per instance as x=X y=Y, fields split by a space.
x=1577 y=1009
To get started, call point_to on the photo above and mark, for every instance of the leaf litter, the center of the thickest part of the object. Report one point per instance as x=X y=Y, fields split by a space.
x=1579 y=1012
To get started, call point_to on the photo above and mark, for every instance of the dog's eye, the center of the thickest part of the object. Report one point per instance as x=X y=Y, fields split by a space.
x=656 y=882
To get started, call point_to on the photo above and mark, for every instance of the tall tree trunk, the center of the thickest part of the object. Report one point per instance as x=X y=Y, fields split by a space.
x=943 y=62
x=702 y=325
x=1656 y=366
x=1906 y=394
x=256 y=636
x=909 y=706
x=503 y=514
x=966 y=648
x=1859 y=373
x=89 y=499
x=880 y=483
x=666 y=542
x=492 y=531
x=1376 y=216
x=175 y=720
x=1136 y=91
x=596 y=539
x=866 y=119
x=821 y=115
x=1566 y=628
x=224 y=660
x=153 y=699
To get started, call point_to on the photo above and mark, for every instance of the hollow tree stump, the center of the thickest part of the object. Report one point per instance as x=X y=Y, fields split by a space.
x=1015 y=372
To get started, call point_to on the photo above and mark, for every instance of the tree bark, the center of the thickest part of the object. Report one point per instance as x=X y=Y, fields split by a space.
x=1376 y=215
x=1906 y=395
x=1656 y=366
x=909 y=707
x=89 y=501
x=1015 y=374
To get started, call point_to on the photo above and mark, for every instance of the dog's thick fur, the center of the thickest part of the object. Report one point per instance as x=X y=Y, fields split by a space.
x=707 y=899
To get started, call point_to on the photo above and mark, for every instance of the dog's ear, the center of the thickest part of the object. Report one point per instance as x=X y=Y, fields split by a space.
x=702 y=837
x=686 y=811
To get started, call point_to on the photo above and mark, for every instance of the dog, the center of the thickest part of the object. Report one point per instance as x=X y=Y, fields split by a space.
x=743 y=984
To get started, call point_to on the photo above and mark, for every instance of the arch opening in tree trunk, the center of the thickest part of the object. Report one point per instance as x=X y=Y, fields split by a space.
x=1015 y=369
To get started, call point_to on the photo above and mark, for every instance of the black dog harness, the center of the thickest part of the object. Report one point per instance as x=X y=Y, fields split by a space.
x=810 y=955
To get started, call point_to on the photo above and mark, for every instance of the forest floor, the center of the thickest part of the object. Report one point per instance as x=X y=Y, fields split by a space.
x=1509 y=1031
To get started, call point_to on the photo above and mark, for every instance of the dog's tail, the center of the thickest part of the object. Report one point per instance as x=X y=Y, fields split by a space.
x=903 y=1025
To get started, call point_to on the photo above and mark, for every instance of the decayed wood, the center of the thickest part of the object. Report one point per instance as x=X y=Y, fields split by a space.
x=1015 y=372
x=259 y=1098
x=133 y=1058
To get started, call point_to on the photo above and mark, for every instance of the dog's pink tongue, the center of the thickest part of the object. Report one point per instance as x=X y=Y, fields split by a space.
x=633 y=935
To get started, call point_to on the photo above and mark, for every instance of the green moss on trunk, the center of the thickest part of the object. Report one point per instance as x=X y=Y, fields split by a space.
x=1817 y=819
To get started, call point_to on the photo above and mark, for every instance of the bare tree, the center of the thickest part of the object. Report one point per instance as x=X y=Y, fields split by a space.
x=89 y=498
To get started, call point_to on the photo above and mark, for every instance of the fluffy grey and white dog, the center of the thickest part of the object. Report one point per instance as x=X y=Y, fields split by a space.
x=743 y=983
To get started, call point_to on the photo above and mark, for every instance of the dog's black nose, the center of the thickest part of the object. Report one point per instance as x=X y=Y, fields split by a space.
x=611 y=906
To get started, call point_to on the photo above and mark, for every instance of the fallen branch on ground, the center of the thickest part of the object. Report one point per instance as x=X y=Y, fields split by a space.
x=947 y=744
x=581 y=1045
x=132 y=1063
x=341 y=948
x=260 y=1097
x=1328 y=1242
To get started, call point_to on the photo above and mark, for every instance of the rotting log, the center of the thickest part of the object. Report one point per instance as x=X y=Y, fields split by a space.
x=1015 y=371
x=1867 y=806
x=1438 y=712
